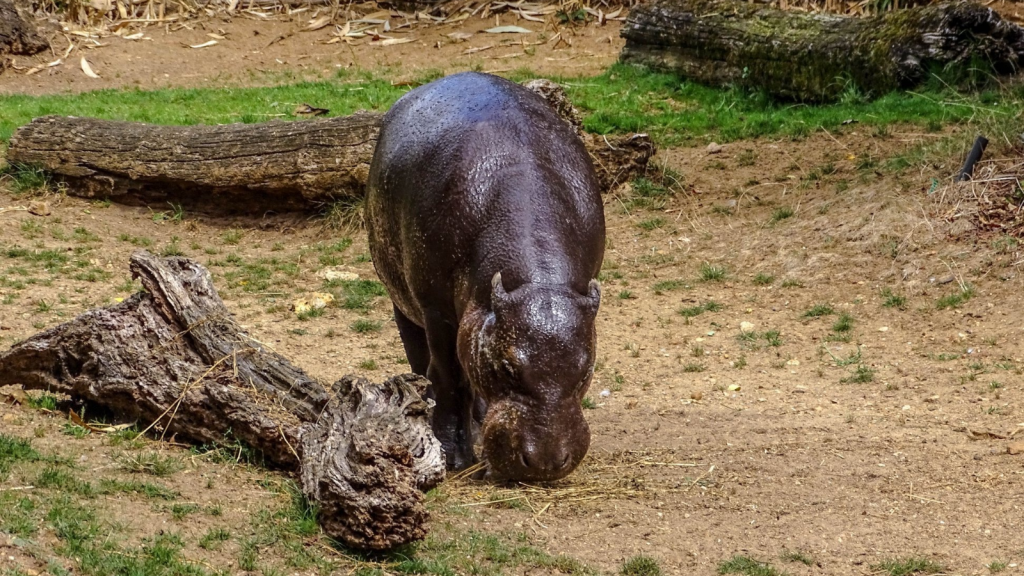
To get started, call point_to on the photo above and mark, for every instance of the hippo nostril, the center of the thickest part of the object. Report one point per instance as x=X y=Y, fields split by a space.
x=522 y=460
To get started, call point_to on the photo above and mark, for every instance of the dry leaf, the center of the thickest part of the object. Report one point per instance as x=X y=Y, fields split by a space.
x=204 y=44
x=56 y=62
x=393 y=41
x=215 y=36
x=508 y=30
x=318 y=23
x=479 y=49
x=88 y=69
x=460 y=36
x=136 y=36
x=307 y=110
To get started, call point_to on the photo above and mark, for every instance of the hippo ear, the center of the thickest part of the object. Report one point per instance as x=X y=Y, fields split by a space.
x=498 y=294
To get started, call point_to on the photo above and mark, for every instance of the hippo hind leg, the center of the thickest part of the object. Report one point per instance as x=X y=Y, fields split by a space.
x=453 y=414
x=414 y=339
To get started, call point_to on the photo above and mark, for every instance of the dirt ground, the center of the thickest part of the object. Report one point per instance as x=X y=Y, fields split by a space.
x=706 y=443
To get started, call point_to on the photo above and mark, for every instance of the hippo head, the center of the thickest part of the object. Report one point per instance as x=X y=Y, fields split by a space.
x=531 y=360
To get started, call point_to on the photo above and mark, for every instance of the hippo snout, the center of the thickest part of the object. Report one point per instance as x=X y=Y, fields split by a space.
x=534 y=445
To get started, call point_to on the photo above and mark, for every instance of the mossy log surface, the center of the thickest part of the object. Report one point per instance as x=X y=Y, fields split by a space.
x=173 y=359
x=816 y=57
x=255 y=168
x=17 y=35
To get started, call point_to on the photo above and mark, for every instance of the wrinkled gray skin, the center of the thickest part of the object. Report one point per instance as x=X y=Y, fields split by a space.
x=486 y=225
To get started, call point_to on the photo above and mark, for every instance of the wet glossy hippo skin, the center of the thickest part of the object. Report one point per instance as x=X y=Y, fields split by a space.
x=486 y=225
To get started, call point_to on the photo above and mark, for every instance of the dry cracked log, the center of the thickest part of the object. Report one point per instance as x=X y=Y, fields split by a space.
x=173 y=358
x=250 y=167
x=817 y=57
x=17 y=35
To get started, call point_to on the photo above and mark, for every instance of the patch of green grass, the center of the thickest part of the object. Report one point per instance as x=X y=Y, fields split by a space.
x=23 y=178
x=711 y=273
x=843 y=324
x=356 y=294
x=861 y=375
x=893 y=300
x=370 y=364
x=797 y=556
x=623 y=99
x=819 y=310
x=311 y=313
x=588 y=403
x=363 y=326
x=345 y=215
x=74 y=430
x=626 y=295
x=232 y=236
x=693 y=311
x=146 y=489
x=956 y=299
x=651 y=224
x=18 y=514
x=43 y=401
x=773 y=337
x=907 y=566
x=693 y=368
x=213 y=538
x=792 y=283
x=183 y=510
x=762 y=279
x=997 y=566
x=58 y=478
x=14 y=449
x=667 y=286
x=640 y=565
x=747 y=566
x=781 y=213
x=646 y=194
x=151 y=463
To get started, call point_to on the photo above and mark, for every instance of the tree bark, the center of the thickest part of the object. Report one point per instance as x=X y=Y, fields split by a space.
x=248 y=167
x=17 y=36
x=817 y=57
x=173 y=358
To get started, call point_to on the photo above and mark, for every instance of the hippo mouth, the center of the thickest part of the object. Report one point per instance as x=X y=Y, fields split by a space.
x=515 y=448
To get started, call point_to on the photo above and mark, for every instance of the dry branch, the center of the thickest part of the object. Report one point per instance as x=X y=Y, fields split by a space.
x=248 y=167
x=817 y=56
x=173 y=356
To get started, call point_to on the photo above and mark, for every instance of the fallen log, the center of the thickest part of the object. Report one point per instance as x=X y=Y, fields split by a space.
x=17 y=36
x=277 y=165
x=173 y=358
x=817 y=57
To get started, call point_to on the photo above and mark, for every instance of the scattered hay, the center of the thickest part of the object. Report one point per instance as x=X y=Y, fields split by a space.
x=993 y=202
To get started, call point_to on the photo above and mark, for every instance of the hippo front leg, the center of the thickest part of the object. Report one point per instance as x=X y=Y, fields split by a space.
x=453 y=413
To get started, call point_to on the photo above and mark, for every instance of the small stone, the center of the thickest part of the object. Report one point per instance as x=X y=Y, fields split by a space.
x=734 y=387
x=714 y=148
x=793 y=362
x=1015 y=448
x=39 y=208
x=605 y=393
x=746 y=327
x=883 y=329
x=332 y=273
x=698 y=395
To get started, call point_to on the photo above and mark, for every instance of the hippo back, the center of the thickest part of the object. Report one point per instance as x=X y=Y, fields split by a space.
x=474 y=174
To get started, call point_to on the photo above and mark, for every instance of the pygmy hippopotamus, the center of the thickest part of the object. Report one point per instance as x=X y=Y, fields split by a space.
x=486 y=225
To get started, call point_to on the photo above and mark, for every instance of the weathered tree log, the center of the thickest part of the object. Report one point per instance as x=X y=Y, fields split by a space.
x=816 y=56
x=17 y=36
x=248 y=167
x=174 y=358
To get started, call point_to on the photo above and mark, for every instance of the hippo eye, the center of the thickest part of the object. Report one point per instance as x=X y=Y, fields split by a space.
x=507 y=367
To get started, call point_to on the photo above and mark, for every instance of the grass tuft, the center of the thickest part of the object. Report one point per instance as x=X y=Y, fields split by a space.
x=907 y=566
x=712 y=273
x=819 y=310
x=955 y=299
x=747 y=566
x=640 y=565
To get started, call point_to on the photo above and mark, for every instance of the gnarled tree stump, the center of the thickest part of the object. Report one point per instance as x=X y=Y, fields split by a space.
x=816 y=56
x=250 y=167
x=173 y=356
x=17 y=36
